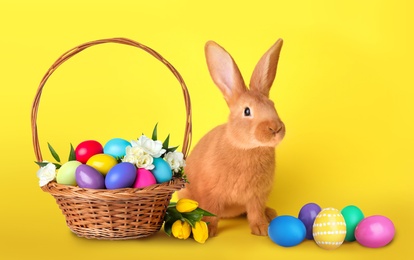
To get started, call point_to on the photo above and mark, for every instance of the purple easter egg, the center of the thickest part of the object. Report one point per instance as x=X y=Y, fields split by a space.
x=88 y=177
x=307 y=215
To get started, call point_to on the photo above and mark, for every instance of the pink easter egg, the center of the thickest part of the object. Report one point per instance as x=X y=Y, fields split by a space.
x=375 y=231
x=144 y=178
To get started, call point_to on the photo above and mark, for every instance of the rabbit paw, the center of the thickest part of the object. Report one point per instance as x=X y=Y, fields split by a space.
x=212 y=230
x=259 y=229
x=270 y=214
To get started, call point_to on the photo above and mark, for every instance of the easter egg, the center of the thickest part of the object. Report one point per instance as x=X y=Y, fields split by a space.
x=116 y=147
x=352 y=215
x=286 y=231
x=66 y=173
x=86 y=149
x=120 y=176
x=162 y=171
x=307 y=215
x=375 y=231
x=144 y=178
x=89 y=177
x=329 y=228
x=102 y=162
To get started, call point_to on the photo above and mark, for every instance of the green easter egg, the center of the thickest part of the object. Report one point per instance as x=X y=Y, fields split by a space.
x=352 y=215
x=66 y=173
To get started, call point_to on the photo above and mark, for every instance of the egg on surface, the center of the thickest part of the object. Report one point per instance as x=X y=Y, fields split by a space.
x=116 y=147
x=66 y=173
x=352 y=215
x=120 y=176
x=307 y=215
x=329 y=228
x=162 y=171
x=89 y=177
x=286 y=231
x=375 y=231
x=102 y=162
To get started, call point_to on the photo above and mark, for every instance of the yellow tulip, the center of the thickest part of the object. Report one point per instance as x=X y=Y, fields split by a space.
x=181 y=229
x=186 y=205
x=200 y=232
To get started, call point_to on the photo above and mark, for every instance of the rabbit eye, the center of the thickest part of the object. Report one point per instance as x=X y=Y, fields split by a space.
x=247 y=111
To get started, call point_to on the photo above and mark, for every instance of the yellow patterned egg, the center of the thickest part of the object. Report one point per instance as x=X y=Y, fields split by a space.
x=329 y=228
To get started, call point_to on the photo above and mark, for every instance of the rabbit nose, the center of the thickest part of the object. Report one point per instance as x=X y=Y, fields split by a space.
x=276 y=129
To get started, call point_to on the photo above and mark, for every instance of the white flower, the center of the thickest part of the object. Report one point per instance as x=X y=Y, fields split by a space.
x=153 y=148
x=137 y=156
x=145 y=161
x=129 y=158
x=176 y=160
x=135 y=151
x=46 y=174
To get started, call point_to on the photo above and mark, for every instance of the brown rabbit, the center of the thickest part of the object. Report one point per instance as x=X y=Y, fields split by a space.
x=231 y=169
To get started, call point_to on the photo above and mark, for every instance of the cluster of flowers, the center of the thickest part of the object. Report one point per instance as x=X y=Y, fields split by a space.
x=183 y=219
x=142 y=152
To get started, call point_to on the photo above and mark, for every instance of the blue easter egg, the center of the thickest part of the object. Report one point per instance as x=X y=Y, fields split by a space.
x=162 y=171
x=286 y=231
x=116 y=147
x=120 y=176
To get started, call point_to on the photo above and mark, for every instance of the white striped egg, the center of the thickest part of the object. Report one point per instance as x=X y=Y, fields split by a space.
x=329 y=228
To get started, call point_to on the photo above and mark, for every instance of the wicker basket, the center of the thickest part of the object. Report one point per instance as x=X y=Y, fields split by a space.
x=113 y=214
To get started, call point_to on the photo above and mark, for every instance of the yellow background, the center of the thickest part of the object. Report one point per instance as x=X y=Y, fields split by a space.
x=344 y=90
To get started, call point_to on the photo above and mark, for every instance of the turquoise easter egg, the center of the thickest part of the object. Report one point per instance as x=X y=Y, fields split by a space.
x=162 y=171
x=116 y=147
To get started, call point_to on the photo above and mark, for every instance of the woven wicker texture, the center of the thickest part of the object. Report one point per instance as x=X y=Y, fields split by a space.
x=113 y=214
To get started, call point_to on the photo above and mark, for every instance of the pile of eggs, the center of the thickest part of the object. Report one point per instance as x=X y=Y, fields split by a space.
x=98 y=167
x=329 y=227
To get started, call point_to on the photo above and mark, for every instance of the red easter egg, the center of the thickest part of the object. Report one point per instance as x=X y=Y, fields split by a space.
x=87 y=149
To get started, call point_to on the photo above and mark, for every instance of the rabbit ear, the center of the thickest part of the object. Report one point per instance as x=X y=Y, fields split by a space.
x=265 y=71
x=224 y=71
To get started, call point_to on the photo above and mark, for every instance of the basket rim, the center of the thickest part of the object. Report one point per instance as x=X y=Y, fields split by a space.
x=69 y=191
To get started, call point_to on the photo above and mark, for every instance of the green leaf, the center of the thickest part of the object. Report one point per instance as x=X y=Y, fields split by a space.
x=190 y=221
x=165 y=144
x=193 y=217
x=42 y=164
x=172 y=204
x=172 y=214
x=154 y=132
x=53 y=152
x=204 y=212
x=167 y=218
x=72 y=156
x=168 y=228
x=172 y=149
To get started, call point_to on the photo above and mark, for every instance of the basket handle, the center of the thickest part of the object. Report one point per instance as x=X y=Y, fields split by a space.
x=70 y=53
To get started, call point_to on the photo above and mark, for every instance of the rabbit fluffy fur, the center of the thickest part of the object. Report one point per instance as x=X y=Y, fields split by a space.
x=231 y=169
